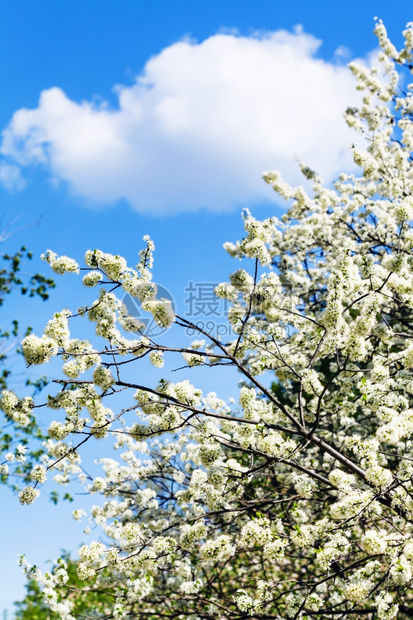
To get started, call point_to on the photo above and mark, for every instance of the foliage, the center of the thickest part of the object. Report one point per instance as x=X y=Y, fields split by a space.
x=297 y=500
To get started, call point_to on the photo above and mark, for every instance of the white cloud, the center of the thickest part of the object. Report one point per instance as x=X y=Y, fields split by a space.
x=198 y=126
x=10 y=177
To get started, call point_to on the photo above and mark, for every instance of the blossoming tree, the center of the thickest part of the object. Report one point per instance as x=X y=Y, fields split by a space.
x=297 y=500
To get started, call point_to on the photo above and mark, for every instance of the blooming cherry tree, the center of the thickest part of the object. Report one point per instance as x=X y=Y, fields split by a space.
x=296 y=501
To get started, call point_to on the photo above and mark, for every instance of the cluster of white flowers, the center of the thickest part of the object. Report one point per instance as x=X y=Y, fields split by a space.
x=19 y=410
x=157 y=359
x=58 y=328
x=38 y=350
x=92 y=278
x=250 y=605
x=256 y=532
x=103 y=378
x=217 y=549
x=60 y=264
x=28 y=495
x=113 y=266
x=161 y=311
x=38 y=474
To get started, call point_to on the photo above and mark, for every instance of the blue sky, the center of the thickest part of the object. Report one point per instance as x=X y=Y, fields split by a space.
x=127 y=118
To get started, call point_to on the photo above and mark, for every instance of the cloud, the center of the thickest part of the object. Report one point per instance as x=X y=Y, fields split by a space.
x=10 y=177
x=197 y=128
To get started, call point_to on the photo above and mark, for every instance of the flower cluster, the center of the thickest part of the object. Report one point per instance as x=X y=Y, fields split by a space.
x=60 y=264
